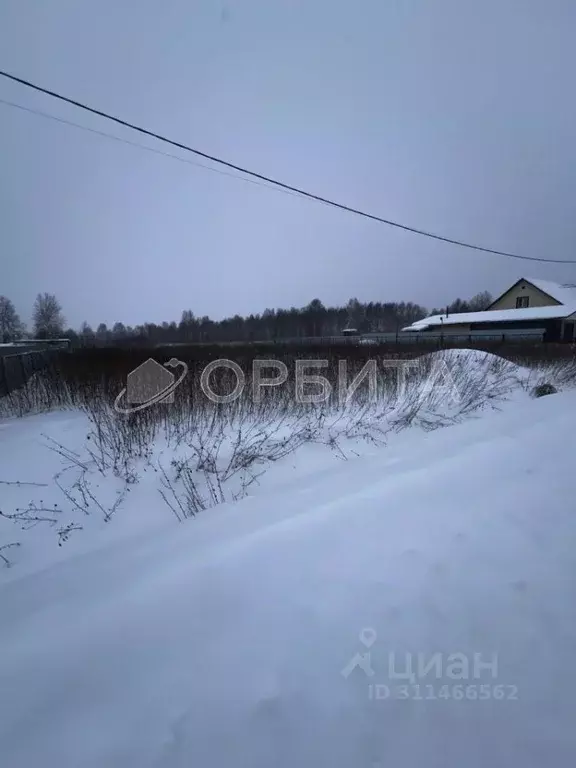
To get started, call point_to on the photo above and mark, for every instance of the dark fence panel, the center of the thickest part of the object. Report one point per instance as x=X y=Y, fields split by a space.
x=17 y=370
x=400 y=339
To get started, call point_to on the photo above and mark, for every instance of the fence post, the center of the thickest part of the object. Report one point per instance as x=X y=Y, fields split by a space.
x=3 y=379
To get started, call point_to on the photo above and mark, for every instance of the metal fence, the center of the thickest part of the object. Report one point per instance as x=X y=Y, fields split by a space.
x=534 y=335
x=33 y=345
x=412 y=337
x=17 y=369
x=403 y=338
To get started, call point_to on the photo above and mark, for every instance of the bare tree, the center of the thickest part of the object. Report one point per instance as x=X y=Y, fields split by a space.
x=477 y=303
x=86 y=334
x=47 y=317
x=354 y=310
x=314 y=319
x=102 y=332
x=481 y=301
x=119 y=331
x=10 y=326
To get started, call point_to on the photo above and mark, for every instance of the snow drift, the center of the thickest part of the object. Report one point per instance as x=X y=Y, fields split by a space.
x=411 y=605
x=222 y=641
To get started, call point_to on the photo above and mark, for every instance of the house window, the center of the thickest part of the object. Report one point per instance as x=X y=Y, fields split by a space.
x=522 y=302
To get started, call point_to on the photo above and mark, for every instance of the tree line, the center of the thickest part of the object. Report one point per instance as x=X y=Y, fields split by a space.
x=314 y=319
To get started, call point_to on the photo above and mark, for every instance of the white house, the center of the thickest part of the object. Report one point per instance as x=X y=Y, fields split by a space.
x=529 y=304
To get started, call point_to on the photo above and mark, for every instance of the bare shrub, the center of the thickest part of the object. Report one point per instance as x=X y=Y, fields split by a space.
x=541 y=390
x=3 y=548
x=206 y=453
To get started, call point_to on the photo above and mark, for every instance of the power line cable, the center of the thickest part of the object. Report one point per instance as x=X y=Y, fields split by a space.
x=275 y=182
x=122 y=140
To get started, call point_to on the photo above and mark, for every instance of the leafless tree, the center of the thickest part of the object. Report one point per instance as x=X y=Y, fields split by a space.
x=481 y=301
x=47 y=317
x=10 y=326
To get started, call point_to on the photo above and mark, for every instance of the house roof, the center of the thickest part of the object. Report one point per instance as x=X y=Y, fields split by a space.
x=565 y=293
x=495 y=316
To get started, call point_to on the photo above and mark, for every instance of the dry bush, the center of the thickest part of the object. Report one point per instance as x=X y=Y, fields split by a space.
x=207 y=453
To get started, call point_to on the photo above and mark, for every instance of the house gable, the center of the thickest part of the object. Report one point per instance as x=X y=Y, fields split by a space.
x=526 y=289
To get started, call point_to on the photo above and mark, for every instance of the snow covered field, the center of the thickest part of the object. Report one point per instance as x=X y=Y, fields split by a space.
x=408 y=603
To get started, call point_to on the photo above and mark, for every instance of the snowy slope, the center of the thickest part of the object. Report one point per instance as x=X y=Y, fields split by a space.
x=43 y=490
x=221 y=642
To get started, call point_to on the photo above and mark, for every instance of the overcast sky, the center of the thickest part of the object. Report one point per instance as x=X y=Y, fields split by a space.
x=456 y=116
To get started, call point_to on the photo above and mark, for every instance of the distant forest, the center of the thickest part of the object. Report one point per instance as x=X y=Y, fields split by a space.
x=315 y=319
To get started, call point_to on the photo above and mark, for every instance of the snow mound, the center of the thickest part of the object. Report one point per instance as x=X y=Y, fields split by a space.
x=477 y=362
x=445 y=386
x=408 y=608
x=75 y=481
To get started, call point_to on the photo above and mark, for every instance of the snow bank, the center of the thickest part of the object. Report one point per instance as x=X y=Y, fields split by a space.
x=70 y=485
x=232 y=639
